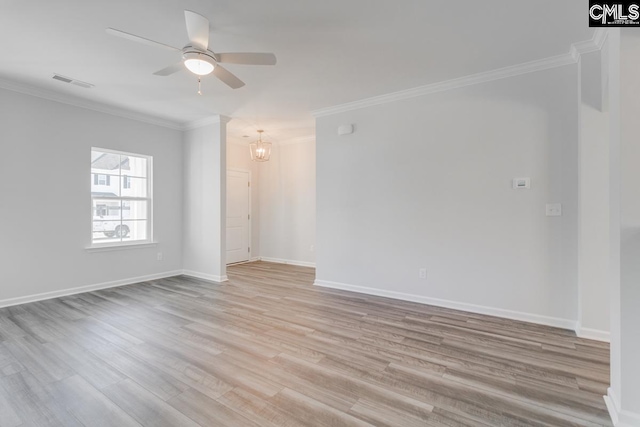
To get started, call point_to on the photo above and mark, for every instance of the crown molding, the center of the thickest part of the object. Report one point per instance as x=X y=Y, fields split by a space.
x=205 y=121
x=587 y=46
x=89 y=105
x=600 y=36
x=569 y=58
x=487 y=76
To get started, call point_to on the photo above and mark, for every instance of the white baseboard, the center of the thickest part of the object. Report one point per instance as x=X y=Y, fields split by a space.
x=81 y=289
x=612 y=406
x=491 y=311
x=289 y=261
x=205 y=276
x=254 y=259
x=620 y=417
x=592 y=334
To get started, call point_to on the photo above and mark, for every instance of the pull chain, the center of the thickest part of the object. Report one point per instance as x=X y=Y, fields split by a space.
x=199 y=86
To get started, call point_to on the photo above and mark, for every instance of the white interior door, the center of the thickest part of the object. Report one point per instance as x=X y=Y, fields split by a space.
x=237 y=216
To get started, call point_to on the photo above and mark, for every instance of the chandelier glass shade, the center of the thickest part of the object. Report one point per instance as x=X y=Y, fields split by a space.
x=260 y=150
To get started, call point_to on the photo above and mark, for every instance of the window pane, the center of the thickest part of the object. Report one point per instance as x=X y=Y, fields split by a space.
x=106 y=231
x=134 y=230
x=137 y=188
x=105 y=163
x=106 y=210
x=100 y=237
x=133 y=209
x=103 y=185
x=134 y=166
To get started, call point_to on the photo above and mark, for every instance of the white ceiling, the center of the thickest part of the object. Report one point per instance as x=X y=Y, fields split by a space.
x=329 y=52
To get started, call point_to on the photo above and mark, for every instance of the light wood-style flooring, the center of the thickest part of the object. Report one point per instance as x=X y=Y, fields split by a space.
x=268 y=348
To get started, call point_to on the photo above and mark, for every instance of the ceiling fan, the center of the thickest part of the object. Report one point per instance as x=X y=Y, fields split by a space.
x=196 y=55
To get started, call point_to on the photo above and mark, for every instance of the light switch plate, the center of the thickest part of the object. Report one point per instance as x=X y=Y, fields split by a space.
x=554 y=209
x=521 y=183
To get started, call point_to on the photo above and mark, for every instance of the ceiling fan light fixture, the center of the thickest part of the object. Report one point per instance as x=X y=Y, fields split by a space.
x=200 y=64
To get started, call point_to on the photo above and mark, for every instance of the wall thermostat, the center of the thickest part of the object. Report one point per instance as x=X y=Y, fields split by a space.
x=521 y=183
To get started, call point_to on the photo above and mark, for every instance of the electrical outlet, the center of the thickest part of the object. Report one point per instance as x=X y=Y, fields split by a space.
x=554 y=209
x=422 y=273
x=159 y=256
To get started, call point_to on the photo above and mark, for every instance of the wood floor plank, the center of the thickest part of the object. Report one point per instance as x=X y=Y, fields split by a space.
x=88 y=405
x=207 y=411
x=8 y=416
x=33 y=403
x=146 y=408
x=510 y=408
x=85 y=363
x=384 y=415
x=312 y=412
x=162 y=385
x=269 y=349
x=42 y=329
x=41 y=362
x=9 y=329
x=258 y=409
x=182 y=370
x=286 y=378
x=8 y=363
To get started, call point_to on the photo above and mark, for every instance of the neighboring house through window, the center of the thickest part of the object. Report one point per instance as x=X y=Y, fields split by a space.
x=99 y=179
x=121 y=202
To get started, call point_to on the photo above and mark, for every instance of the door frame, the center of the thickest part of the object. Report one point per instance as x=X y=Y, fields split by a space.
x=250 y=189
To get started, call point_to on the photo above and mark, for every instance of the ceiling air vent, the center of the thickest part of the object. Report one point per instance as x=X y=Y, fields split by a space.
x=72 y=81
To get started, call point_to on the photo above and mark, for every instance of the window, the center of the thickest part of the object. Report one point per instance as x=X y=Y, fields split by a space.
x=99 y=179
x=120 y=198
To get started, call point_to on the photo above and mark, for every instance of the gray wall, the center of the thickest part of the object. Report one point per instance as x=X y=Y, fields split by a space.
x=288 y=204
x=624 y=68
x=205 y=192
x=45 y=208
x=426 y=182
x=593 y=316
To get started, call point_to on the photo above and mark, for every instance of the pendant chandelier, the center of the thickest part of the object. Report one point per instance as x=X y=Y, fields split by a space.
x=260 y=151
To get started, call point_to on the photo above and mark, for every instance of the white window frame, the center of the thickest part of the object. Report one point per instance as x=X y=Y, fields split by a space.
x=149 y=199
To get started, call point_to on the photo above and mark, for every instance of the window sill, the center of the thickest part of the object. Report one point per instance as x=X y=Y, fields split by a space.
x=120 y=247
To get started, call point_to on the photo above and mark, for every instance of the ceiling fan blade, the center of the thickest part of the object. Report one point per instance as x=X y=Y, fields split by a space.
x=227 y=78
x=198 y=29
x=171 y=69
x=247 y=58
x=139 y=39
